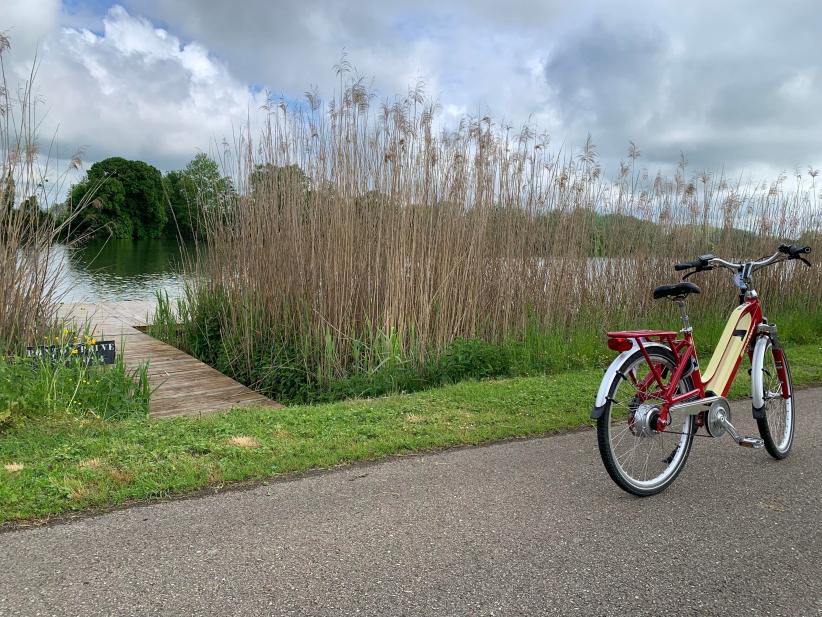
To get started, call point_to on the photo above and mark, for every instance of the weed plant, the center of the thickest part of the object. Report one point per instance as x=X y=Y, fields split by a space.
x=35 y=387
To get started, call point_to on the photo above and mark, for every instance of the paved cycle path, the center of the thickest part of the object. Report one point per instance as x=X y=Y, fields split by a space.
x=526 y=528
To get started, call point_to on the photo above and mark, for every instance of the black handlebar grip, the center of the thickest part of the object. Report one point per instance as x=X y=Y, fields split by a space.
x=793 y=249
x=700 y=262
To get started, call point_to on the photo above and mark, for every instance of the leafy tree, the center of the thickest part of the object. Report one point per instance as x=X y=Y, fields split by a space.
x=180 y=207
x=209 y=185
x=30 y=207
x=194 y=192
x=127 y=200
x=284 y=182
x=7 y=192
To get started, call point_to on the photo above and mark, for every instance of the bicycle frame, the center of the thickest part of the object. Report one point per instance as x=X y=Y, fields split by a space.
x=740 y=332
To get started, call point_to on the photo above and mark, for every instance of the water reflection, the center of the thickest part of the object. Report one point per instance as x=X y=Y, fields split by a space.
x=120 y=270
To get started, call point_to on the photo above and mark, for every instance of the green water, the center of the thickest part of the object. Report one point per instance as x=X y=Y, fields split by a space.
x=117 y=270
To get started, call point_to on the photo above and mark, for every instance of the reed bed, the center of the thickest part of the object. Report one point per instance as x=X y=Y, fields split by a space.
x=29 y=272
x=27 y=285
x=369 y=249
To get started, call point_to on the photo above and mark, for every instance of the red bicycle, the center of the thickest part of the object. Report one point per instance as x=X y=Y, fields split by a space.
x=654 y=397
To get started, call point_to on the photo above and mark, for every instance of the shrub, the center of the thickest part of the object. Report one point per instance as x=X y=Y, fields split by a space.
x=473 y=359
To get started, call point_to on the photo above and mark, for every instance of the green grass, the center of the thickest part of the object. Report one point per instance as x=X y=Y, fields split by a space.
x=34 y=388
x=73 y=463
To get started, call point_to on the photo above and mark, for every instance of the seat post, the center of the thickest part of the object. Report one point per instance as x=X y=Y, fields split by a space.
x=686 y=324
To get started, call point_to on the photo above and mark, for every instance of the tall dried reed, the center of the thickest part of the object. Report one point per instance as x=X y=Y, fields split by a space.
x=366 y=233
x=29 y=274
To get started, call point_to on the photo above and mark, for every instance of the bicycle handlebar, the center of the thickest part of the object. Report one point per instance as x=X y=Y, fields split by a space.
x=710 y=261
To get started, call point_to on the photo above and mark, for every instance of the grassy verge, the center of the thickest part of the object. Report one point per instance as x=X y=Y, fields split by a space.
x=68 y=463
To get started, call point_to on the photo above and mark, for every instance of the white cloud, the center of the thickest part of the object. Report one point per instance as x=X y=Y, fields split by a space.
x=133 y=90
x=27 y=22
x=667 y=74
x=731 y=84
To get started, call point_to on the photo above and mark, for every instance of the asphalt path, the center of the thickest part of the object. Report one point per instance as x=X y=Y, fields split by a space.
x=531 y=527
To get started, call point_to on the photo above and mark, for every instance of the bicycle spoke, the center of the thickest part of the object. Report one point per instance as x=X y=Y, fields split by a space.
x=645 y=466
x=621 y=436
x=638 y=449
x=777 y=407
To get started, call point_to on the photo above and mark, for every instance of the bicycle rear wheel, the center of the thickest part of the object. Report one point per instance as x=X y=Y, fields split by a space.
x=640 y=459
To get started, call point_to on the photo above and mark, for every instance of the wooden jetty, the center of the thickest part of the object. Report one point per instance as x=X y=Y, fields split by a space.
x=181 y=385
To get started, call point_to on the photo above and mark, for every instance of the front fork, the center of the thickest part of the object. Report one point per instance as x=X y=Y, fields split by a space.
x=766 y=333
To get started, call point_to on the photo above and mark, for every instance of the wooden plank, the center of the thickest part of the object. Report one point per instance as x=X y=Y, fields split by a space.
x=181 y=384
x=213 y=401
x=201 y=410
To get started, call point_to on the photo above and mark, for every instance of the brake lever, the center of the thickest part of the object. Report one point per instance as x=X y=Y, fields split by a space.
x=800 y=258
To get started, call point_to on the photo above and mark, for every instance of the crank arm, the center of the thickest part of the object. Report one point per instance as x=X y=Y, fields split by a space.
x=742 y=440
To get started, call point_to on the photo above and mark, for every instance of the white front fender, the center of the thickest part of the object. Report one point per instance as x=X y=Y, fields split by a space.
x=757 y=367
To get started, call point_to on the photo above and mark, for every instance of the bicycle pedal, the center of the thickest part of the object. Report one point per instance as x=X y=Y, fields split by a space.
x=751 y=442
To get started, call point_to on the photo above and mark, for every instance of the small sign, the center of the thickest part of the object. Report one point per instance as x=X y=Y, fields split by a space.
x=101 y=352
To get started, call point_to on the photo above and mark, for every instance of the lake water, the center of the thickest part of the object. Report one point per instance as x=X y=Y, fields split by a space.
x=117 y=270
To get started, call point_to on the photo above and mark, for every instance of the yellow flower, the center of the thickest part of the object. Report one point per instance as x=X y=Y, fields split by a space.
x=65 y=331
x=73 y=352
x=93 y=341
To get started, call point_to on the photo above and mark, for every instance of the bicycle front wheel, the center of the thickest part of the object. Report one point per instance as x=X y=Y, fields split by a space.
x=640 y=459
x=777 y=426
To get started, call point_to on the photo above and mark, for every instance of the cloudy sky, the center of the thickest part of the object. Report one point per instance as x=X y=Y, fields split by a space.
x=732 y=84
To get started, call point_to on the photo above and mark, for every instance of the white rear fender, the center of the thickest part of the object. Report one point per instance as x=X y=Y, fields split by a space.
x=611 y=373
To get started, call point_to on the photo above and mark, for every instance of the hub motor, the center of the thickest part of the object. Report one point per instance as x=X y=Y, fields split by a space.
x=644 y=420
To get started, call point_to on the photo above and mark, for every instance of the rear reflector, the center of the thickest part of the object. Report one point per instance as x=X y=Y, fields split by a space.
x=619 y=344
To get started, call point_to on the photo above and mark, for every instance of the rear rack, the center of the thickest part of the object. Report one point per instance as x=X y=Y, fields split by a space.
x=649 y=334
x=618 y=341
